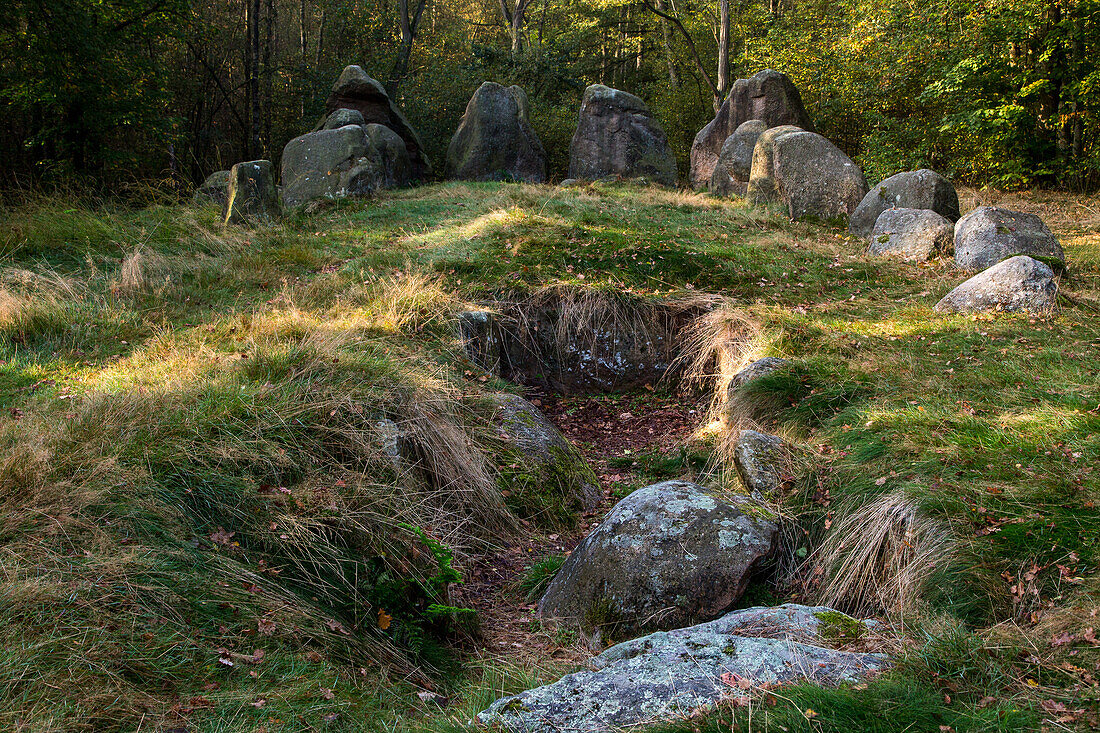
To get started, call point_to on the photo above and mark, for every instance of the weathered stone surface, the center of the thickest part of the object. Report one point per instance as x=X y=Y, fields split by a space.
x=342 y=117
x=803 y=170
x=358 y=91
x=755 y=370
x=761 y=461
x=921 y=189
x=1017 y=284
x=665 y=556
x=768 y=95
x=388 y=152
x=330 y=164
x=989 y=234
x=495 y=140
x=731 y=174
x=911 y=234
x=762 y=187
x=251 y=197
x=617 y=135
x=554 y=465
x=214 y=190
x=670 y=675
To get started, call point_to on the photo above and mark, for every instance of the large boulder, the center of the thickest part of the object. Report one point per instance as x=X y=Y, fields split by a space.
x=672 y=675
x=761 y=461
x=731 y=174
x=665 y=556
x=495 y=140
x=357 y=91
x=389 y=153
x=911 y=234
x=330 y=164
x=251 y=197
x=768 y=95
x=762 y=187
x=214 y=190
x=807 y=173
x=1017 y=284
x=923 y=189
x=550 y=474
x=989 y=234
x=342 y=117
x=617 y=135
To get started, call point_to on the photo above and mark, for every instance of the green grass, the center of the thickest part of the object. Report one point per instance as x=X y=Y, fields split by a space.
x=164 y=383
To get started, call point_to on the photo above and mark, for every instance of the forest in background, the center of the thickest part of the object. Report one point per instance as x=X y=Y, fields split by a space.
x=112 y=93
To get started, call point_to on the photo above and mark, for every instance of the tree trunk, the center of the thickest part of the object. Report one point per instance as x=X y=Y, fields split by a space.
x=723 y=52
x=269 y=74
x=254 y=78
x=666 y=43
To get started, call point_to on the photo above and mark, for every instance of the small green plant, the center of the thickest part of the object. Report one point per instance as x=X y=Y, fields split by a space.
x=536 y=578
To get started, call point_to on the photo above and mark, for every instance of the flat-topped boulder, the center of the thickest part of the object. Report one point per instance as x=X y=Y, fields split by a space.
x=921 y=189
x=669 y=676
x=989 y=234
x=251 y=197
x=213 y=190
x=911 y=234
x=617 y=135
x=495 y=140
x=731 y=174
x=355 y=90
x=1017 y=284
x=665 y=556
x=768 y=95
x=807 y=173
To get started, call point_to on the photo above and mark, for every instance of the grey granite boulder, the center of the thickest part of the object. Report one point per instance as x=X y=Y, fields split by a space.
x=762 y=187
x=390 y=156
x=553 y=468
x=731 y=174
x=670 y=675
x=343 y=116
x=807 y=173
x=330 y=164
x=921 y=189
x=761 y=461
x=665 y=556
x=1017 y=284
x=495 y=140
x=214 y=190
x=768 y=95
x=617 y=135
x=911 y=234
x=759 y=368
x=989 y=234
x=251 y=197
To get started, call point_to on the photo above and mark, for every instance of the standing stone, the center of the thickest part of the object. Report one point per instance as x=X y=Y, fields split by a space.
x=813 y=177
x=617 y=135
x=251 y=198
x=923 y=189
x=1017 y=284
x=911 y=234
x=731 y=174
x=357 y=91
x=988 y=235
x=388 y=152
x=768 y=95
x=762 y=186
x=214 y=190
x=495 y=140
x=664 y=557
x=329 y=164
x=761 y=461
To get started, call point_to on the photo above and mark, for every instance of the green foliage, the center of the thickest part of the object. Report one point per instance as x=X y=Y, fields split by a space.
x=537 y=577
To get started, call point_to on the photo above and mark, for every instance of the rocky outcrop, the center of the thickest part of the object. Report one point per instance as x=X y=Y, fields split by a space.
x=214 y=190
x=551 y=474
x=988 y=235
x=357 y=91
x=768 y=95
x=731 y=174
x=251 y=197
x=911 y=234
x=495 y=140
x=665 y=556
x=617 y=135
x=921 y=189
x=1017 y=284
x=671 y=675
x=812 y=177
x=761 y=461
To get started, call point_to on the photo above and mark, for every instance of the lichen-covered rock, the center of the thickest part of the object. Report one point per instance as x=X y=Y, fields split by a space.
x=495 y=140
x=617 y=135
x=357 y=91
x=768 y=95
x=921 y=189
x=1018 y=284
x=761 y=461
x=762 y=188
x=251 y=197
x=343 y=117
x=665 y=556
x=911 y=234
x=330 y=164
x=555 y=474
x=988 y=235
x=388 y=152
x=807 y=173
x=670 y=675
x=759 y=368
x=214 y=190
x=731 y=174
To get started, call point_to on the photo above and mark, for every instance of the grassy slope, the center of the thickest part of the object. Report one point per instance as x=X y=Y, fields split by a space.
x=161 y=380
